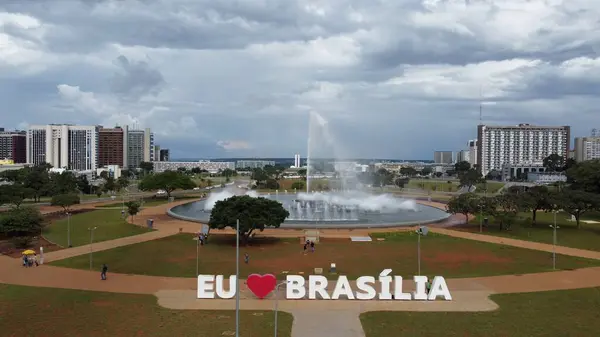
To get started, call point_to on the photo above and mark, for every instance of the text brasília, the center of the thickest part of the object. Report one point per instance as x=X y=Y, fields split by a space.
x=297 y=287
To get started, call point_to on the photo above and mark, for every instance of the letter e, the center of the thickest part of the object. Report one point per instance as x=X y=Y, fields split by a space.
x=205 y=286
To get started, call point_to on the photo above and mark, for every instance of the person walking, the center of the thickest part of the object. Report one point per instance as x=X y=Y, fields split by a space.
x=103 y=273
x=305 y=247
x=312 y=246
x=246 y=258
x=35 y=260
x=24 y=260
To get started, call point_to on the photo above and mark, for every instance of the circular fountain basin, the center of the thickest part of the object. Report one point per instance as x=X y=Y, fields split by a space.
x=328 y=213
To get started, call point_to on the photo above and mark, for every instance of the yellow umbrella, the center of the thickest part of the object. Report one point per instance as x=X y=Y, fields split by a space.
x=29 y=252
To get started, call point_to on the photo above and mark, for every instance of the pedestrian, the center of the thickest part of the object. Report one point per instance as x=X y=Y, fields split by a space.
x=103 y=273
x=305 y=247
x=312 y=246
x=29 y=261
x=428 y=286
x=24 y=260
x=246 y=258
x=35 y=260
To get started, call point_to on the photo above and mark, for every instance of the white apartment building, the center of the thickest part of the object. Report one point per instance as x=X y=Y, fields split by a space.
x=498 y=146
x=463 y=155
x=587 y=148
x=72 y=147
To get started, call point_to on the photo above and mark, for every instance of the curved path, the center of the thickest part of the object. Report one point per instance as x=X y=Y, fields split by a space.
x=340 y=318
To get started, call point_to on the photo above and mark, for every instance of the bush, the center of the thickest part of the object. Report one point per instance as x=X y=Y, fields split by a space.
x=21 y=242
x=23 y=221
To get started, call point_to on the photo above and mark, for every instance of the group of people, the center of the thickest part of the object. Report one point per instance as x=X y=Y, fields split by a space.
x=30 y=260
x=310 y=244
x=202 y=238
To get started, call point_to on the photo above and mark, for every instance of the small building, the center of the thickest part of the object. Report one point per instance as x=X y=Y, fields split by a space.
x=546 y=178
x=113 y=171
x=520 y=171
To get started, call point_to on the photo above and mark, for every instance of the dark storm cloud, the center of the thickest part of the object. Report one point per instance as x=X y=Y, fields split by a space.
x=135 y=79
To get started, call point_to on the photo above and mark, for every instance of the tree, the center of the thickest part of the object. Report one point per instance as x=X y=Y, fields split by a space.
x=122 y=182
x=536 y=198
x=509 y=207
x=462 y=166
x=65 y=201
x=298 y=185
x=22 y=221
x=133 y=208
x=401 y=182
x=253 y=214
x=109 y=185
x=259 y=175
x=408 y=171
x=37 y=179
x=439 y=174
x=585 y=176
x=554 y=163
x=63 y=183
x=228 y=173
x=465 y=203
x=14 y=194
x=167 y=181
x=427 y=170
x=576 y=202
x=83 y=185
x=147 y=166
x=470 y=178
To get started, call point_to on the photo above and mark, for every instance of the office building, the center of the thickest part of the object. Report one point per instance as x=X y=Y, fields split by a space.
x=111 y=147
x=463 y=155
x=443 y=157
x=164 y=155
x=139 y=144
x=297 y=163
x=472 y=146
x=522 y=144
x=13 y=146
x=64 y=146
x=587 y=148
x=156 y=152
x=252 y=164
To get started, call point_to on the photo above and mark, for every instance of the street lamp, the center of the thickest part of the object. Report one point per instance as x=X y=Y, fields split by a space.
x=91 y=242
x=422 y=230
x=69 y=230
x=554 y=228
x=237 y=279
x=276 y=304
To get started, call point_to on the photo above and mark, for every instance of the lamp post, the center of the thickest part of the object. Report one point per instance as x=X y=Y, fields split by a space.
x=554 y=228
x=91 y=244
x=422 y=230
x=237 y=279
x=69 y=230
x=276 y=304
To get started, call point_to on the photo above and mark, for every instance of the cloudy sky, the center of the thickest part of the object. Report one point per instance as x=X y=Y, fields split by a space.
x=393 y=78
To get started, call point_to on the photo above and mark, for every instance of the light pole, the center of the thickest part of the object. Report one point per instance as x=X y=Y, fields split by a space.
x=69 y=229
x=276 y=304
x=237 y=279
x=197 y=252
x=554 y=228
x=91 y=242
x=422 y=230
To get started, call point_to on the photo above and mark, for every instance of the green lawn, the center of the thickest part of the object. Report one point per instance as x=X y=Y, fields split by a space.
x=586 y=237
x=443 y=185
x=151 y=202
x=441 y=255
x=109 y=222
x=572 y=313
x=30 y=311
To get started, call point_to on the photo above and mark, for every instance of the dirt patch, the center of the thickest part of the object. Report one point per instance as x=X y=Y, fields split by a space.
x=102 y=303
x=7 y=248
x=459 y=258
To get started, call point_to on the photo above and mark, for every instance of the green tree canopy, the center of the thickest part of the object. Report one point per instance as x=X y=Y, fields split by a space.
x=63 y=183
x=585 y=176
x=470 y=178
x=147 y=166
x=133 y=208
x=22 y=221
x=298 y=185
x=14 y=194
x=462 y=166
x=65 y=200
x=167 y=181
x=253 y=214
x=554 y=163
x=576 y=202
x=536 y=198
x=465 y=203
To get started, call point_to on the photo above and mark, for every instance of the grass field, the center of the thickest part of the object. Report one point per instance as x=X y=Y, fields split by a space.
x=109 y=222
x=572 y=313
x=451 y=185
x=441 y=255
x=30 y=311
x=150 y=202
x=587 y=237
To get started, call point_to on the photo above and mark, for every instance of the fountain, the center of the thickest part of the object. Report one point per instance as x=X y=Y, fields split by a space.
x=349 y=206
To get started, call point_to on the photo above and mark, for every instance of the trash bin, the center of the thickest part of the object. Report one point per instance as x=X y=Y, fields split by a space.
x=485 y=221
x=150 y=223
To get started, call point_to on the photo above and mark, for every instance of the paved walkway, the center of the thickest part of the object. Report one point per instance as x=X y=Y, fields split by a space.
x=338 y=318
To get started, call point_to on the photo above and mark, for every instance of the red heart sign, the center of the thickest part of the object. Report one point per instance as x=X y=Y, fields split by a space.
x=261 y=285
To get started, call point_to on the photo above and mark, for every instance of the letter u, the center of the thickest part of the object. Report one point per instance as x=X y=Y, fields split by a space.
x=221 y=293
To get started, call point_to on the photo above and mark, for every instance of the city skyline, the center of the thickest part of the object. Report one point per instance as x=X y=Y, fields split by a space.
x=395 y=79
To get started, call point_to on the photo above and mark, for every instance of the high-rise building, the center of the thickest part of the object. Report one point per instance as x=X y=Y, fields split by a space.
x=73 y=147
x=139 y=144
x=463 y=155
x=472 y=144
x=443 y=157
x=13 y=146
x=164 y=154
x=111 y=147
x=523 y=144
x=156 y=152
x=587 y=148
x=297 y=160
